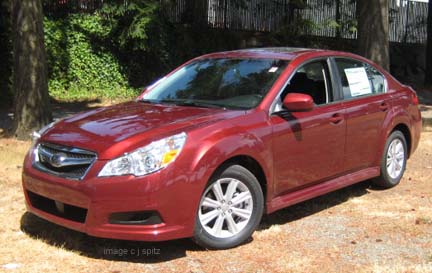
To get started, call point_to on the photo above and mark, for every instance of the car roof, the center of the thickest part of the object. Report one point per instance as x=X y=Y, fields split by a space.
x=285 y=53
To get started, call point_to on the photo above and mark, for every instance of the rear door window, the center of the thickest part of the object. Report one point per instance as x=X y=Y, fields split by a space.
x=359 y=79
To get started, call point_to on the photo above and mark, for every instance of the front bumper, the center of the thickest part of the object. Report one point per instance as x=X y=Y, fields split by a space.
x=168 y=193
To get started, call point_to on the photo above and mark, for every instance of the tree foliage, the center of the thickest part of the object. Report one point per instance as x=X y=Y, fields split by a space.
x=121 y=48
x=143 y=38
x=132 y=22
x=81 y=61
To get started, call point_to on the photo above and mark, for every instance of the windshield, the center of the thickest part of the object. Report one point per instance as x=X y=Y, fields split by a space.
x=227 y=83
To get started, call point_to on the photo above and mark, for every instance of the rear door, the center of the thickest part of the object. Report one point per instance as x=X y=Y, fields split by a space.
x=366 y=103
x=308 y=147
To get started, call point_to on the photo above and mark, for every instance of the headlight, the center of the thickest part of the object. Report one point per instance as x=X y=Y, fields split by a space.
x=147 y=159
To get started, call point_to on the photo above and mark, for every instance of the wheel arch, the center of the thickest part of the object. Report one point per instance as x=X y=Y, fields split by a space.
x=404 y=129
x=250 y=164
x=393 y=123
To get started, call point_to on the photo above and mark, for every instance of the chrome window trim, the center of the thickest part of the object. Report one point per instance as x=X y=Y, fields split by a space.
x=326 y=85
x=276 y=104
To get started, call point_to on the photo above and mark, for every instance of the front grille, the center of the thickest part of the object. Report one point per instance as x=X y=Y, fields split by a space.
x=63 y=161
x=56 y=208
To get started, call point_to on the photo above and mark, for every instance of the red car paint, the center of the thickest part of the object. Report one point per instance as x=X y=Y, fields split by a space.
x=307 y=155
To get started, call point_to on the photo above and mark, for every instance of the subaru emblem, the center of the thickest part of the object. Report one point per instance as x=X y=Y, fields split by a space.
x=57 y=159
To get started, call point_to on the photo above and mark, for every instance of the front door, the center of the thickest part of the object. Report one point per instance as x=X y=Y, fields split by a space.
x=308 y=147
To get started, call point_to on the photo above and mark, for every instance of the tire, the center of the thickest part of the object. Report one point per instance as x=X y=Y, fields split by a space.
x=393 y=161
x=230 y=209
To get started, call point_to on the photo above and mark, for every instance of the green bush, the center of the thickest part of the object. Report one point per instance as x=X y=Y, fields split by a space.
x=120 y=48
x=81 y=64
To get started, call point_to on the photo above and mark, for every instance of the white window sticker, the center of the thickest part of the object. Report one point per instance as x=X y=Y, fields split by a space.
x=358 y=81
x=273 y=69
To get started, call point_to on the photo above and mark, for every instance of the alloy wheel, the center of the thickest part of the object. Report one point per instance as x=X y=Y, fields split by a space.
x=395 y=158
x=226 y=208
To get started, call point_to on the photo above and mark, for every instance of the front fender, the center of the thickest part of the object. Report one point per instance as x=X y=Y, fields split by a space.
x=212 y=156
x=249 y=136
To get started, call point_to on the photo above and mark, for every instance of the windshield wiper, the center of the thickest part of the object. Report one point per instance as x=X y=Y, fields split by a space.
x=149 y=101
x=184 y=103
x=153 y=101
x=197 y=104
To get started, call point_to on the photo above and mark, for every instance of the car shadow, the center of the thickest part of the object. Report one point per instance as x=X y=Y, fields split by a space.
x=100 y=248
x=315 y=205
x=156 y=252
x=294 y=124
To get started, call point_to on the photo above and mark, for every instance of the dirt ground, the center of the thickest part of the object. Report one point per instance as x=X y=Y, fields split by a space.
x=357 y=229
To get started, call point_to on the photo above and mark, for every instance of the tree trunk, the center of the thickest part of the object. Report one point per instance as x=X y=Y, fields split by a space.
x=6 y=96
x=373 y=31
x=428 y=74
x=32 y=106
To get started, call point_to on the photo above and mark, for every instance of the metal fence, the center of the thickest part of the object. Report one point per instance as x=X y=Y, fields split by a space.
x=249 y=15
x=408 y=19
x=331 y=18
x=61 y=7
x=254 y=15
x=326 y=18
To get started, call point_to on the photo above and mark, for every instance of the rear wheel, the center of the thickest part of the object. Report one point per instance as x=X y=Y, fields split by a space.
x=230 y=209
x=393 y=162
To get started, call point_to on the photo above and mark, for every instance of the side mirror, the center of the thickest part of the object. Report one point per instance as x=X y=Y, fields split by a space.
x=297 y=102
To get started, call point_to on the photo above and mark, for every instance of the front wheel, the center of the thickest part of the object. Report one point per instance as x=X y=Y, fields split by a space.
x=230 y=209
x=393 y=162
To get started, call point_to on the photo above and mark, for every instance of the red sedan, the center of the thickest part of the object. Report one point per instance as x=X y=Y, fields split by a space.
x=208 y=149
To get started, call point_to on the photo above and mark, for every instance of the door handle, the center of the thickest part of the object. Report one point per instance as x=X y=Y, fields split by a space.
x=384 y=106
x=336 y=118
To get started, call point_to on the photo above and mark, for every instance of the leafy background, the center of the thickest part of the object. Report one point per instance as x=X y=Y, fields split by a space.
x=118 y=49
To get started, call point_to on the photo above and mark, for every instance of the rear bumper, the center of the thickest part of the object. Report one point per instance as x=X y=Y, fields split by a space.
x=99 y=198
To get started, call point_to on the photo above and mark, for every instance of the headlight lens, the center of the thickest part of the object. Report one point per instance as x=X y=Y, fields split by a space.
x=147 y=159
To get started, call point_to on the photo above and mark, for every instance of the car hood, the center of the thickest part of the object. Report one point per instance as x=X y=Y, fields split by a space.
x=114 y=130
